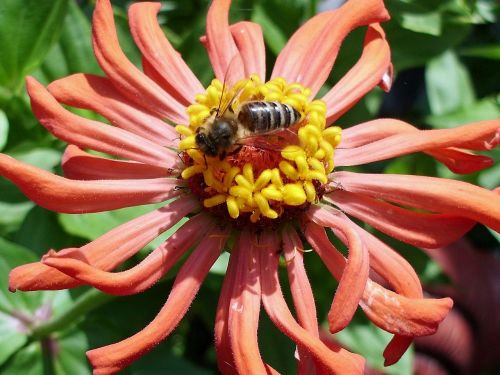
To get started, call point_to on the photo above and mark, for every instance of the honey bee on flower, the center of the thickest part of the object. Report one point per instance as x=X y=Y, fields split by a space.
x=269 y=200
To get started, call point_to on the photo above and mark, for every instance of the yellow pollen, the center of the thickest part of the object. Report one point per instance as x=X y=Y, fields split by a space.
x=249 y=186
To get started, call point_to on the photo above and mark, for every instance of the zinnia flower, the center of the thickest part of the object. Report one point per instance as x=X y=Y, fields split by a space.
x=269 y=199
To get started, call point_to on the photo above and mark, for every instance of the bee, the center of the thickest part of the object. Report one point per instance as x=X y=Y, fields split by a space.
x=225 y=128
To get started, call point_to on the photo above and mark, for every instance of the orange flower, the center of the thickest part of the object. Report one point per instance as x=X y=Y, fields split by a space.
x=264 y=196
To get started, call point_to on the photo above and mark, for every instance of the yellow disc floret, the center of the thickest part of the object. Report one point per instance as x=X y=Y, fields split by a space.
x=256 y=185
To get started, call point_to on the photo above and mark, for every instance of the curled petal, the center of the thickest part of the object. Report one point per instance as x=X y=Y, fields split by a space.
x=93 y=134
x=457 y=160
x=337 y=361
x=427 y=193
x=96 y=93
x=461 y=161
x=180 y=81
x=418 y=229
x=299 y=283
x=250 y=43
x=356 y=270
x=403 y=316
x=129 y=80
x=322 y=37
x=105 y=252
x=302 y=295
x=480 y=135
x=221 y=47
x=115 y=357
x=406 y=317
x=71 y=196
x=333 y=259
x=142 y=276
x=396 y=348
x=373 y=67
x=79 y=165
x=391 y=266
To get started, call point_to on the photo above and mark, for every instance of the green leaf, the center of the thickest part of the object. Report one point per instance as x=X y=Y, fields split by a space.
x=41 y=231
x=91 y=226
x=73 y=53
x=67 y=358
x=4 y=129
x=427 y=23
x=486 y=109
x=70 y=358
x=370 y=341
x=27 y=31
x=44 y=158
x=12 y=215
x=449 y=86
x=220 y=266
x=21 y=312
x=28 y=361
x=13 y=330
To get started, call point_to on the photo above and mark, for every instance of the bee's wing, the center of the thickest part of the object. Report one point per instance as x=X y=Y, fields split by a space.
x=275 y=140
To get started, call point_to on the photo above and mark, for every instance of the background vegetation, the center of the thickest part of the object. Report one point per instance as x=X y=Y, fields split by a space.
x=446 y=55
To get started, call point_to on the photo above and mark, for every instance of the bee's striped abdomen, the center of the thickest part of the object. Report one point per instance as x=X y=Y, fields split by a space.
x=262 y=117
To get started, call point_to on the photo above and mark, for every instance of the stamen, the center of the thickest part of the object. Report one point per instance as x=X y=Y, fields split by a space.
x=253 y=181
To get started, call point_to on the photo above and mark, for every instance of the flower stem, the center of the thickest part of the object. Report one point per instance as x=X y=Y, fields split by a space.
x=83 y=304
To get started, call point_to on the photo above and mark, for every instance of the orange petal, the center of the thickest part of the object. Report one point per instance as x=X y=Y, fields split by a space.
x=222 y=51
x=250 y=43
x=142 y=276
x=299 y=283
x=322 y=37
x=225 y=359
x=427 y=193
x=338 y=362
x=396 y=348
x=79 y=165
x=303 y=298
x=71 y=196
x=368 y=72
x=390 y=265
x=179 y=80
x=244 y=308
x=126 y=78
x=415 y=228
x=458 y=161
x=403 y=316
x=93 y=134
x=115 y=357
x=99 y=95
x=471 y=136
x=107 y=251
x=356 y=270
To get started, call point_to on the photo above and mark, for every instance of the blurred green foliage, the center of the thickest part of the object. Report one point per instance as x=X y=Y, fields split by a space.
x=446 y=56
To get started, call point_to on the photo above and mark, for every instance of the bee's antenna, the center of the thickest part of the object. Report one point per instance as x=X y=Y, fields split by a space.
x=224 y=83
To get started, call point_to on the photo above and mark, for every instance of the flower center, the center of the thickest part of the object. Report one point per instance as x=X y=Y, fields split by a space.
x=257 y=151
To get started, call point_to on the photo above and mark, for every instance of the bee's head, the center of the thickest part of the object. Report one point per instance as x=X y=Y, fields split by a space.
x=218 y=137
x=205 y=143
